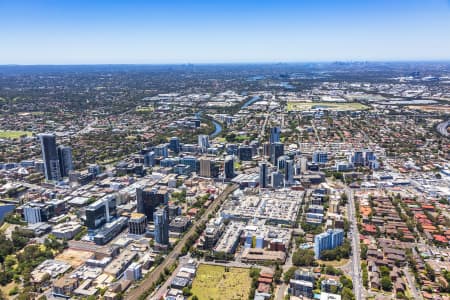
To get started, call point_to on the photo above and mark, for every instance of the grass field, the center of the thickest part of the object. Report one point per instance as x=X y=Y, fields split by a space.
x=11 y=134
x=300 y=106
x=212 y=282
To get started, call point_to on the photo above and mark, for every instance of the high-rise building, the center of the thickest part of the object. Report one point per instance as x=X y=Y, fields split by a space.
x=357 y=158
x=192 y=162
x=245 y=153
x=174 y=144
x=289 y=172
x=320 y=157
x=276 y=150
x=208 y=168
x=50 y=157
x=148 y=199
x=133 y=272
x=100 y=212
x=94 y=169
x=328 y=240
x=203 y=142
x=65 y=160
x=281 y=162
x=161 y=221
x=35 y=212
x=275 y=133
x=149 y=159
x=277 y=180
x=228 y=167
x=161 y=150
x=263 y=174
x=137 y=224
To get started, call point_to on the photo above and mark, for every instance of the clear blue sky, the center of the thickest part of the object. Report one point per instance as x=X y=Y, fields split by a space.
x=189 y=31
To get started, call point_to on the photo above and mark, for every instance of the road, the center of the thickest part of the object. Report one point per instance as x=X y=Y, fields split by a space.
x=442 y=128
x=411 y=283
x=356 y=259
x=172 y=257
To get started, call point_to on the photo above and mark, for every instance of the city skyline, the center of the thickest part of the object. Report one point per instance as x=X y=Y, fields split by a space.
x=173 y=32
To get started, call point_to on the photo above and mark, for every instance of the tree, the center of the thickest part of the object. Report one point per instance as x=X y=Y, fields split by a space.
x=303 y=258
x=386 y=283
x=187 y=291
x=289 y=274
x=194 y=297
x=347 y=294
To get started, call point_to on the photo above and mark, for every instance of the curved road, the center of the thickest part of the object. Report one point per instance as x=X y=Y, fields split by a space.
x=442 y=128
x=172 y=257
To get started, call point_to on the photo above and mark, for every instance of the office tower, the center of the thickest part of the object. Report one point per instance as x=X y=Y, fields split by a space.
x=100 y=212
x=50 y=157
x=208 y=168
x=245 y=153
x=289 y=172
x=203 y=142
x=277 y=180
x=137 y=224
x=133 y=272
x=263 y=174
x=148 y=199
x=275 y=133
x=192 y=162
x=276 y=150
x=174 y=144
x=266 y=149
x=328 y=240
x=161 y=150
x=231 y=149
x=149 y=159
x=161 y=220
x=65 y=160
x=228 y=167
x=369 y=157
x=320 y=157
x=94 y=169
x=35 y=212
x=281 y=162
x=298 y=169
x=357 y=158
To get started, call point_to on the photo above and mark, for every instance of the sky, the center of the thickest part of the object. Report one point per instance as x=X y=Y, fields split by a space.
x=226 y=31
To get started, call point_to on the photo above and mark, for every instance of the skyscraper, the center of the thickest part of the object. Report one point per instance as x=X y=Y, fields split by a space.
x=275 y=133
x=148 y=199
x=263 y=174
x=277 y=180
x=276 y=150
x=161 y=220
x=174 y=144
x=52 y=168
x=228 y=167
x=289 y=172
x=65 y=160
x=245 y=153
x=203 y=142
x=100 y=212
x=208 y=168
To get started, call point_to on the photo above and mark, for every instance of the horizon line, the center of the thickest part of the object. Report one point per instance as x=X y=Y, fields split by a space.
x=446 y=60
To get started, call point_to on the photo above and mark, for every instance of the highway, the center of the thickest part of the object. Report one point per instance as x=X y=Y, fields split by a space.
x=442 y=128
x=356 y=259
x=172 y=257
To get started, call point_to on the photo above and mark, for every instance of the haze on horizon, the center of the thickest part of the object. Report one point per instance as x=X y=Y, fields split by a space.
x=198 y=31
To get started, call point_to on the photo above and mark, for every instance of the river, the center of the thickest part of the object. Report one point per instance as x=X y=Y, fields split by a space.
x=217 y=126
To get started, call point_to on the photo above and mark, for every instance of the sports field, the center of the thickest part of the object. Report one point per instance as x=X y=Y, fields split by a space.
x=212 y=282
x=301 y=106
x=11 y=134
